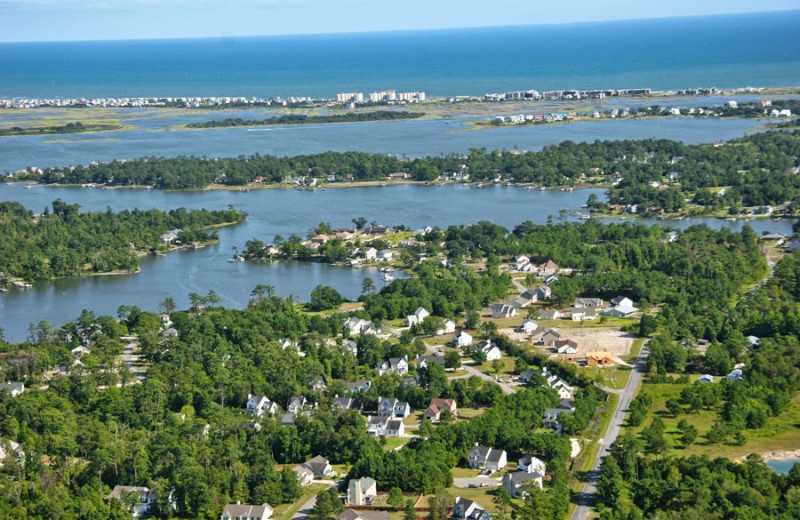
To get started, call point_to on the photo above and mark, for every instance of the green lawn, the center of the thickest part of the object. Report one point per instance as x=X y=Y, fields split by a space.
x=468 y=413
x=393 y=443
x=508 y=366
x=465 y=473
x=287 y=511
x=615 y=377
x=604 y=321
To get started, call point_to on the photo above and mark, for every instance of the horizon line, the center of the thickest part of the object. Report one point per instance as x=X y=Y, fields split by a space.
x=409 y=30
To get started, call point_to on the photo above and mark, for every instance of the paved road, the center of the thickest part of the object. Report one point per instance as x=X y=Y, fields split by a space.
x=476 y=482
x=471 y=371
x=586 y=497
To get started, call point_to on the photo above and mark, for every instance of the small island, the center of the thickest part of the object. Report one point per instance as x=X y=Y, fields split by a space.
x=300 y=119
x=63 y=241
x=69 y=128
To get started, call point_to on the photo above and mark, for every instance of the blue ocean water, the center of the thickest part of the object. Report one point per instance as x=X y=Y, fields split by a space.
x=722 y=51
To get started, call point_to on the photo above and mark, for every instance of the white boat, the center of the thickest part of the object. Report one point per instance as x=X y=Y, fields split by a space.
x=388 y=277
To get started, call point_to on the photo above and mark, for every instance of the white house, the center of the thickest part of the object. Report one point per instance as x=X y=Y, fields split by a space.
x=371 y=254
x=583 y=303
x=549 y=314
x=418 y=317
x=241 y=511
x=483 y=457
x=462 y=339
x=566 y=346
x=449 y=328
x=515 y=482
x=385 y=255
x=465 y=509
x=583 y=313
x=259 y=405
x=319 y=466
x=492 y=352
x=529 y=463
x=304 y=475
x=529 y=326
x=393 y=407
x=145 y=498
x=12 y=387
x=362 y=491
x=299 y=404
x=503 y=310
x=398 y=365
x=380 y=425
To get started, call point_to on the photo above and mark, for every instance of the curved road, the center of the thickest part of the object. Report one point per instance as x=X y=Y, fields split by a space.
x=586 y=497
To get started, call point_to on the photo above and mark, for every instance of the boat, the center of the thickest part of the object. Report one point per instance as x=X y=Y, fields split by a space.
x=22 y=285
x=585 y=217
x=388 y=277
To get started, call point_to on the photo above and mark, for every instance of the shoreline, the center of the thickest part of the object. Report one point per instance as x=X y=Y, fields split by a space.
x=780 y=455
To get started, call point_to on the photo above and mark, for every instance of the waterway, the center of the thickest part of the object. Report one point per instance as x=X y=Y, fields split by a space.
x=273 y=212
x=782 y=467
x=155 y=136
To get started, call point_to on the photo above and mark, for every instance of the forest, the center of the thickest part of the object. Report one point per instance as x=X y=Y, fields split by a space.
x=755 y=170
x=63 y=241
x=300 y=119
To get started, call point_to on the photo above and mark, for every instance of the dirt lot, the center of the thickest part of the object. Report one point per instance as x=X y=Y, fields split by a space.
x=590 y=339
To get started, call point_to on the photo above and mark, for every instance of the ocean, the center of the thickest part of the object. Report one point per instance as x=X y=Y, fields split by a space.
x=721 y=51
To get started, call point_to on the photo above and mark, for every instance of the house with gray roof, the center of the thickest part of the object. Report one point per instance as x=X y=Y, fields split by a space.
x=239 y=511
x=516 y=482
x=319 y=466
x=362 y=491
x=12 y=387
x=483 y=457
x=393 y=407
x=465 y=509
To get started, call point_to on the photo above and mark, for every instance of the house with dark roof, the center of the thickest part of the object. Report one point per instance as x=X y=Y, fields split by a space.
x=362 y=385
x=483 y=457
x=259 y=405
x=393 y=407
x=346 y=403
x=12 y=387
x=319 y=466
x=516 y=482
x=424 y=361
x=465 y=509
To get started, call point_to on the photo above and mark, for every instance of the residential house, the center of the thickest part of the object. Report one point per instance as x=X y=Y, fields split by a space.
x=352 y=514
x=418 y=317
x=736 y=375
x=465 y=509
x=385 y=426
x=519 y=302
x=397 y=365
x=319 y=240
x=319 y=466
x=346 y=403
x=449 y=328
x=170 y=333
x=371 y=254
x=393 y=407
x=424 y=361
x=528 y=326
x=549 y=314
x=300 y=405
x=146 y=498
x=548 y=268
x=583 y=303
x=79 y=351
x=437 y=406
x=317 y=384
x=526 y=375
x=350 y=346
x=583 y=313
x=354 y=325
x=543 y=292
x=362 y=385
x=549 y=337
x=259 y=405
x=362 y=491
x=483 y=457
x=566 y=346
x=529 y=463
x=9 y=448
x=239 y=511
x=491 y=351
x=12 y=387
x=462 y=339
x=503 y=310
x=523 y=264
x=411 y=381
x=599 y=359
x=285 y=343
x=516 y=482
x=304 y=475
x=552 y=418
x=619 y=311
x=287 y=419
x=385 y=255
x=531 y=295
x=706 y=378
x=622 y=300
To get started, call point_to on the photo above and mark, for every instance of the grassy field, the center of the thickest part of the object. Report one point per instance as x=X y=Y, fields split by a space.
x=604 y=321
x=778 y=434
x=508 y=366
x=392 y=443
x=615 y=377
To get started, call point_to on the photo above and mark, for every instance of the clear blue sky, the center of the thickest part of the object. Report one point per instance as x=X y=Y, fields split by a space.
x=46 y=20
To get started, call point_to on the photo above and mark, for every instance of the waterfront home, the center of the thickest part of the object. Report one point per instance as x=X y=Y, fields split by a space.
x=462 y=339
x=434 y=411
x=385 y=255
x=304 y=475
x=371 y=254
x=491 y=351
x=259 y=405
x=362 y=491
x=483 y=457
x=354 y=326
x=398 y=365
x=465 y=509
x=12 y=387
x=239 y=511
x=418 y=317
x=517 y=482
x=393 y=407
x=599 y=359
x=319 y=466
x=145 y=498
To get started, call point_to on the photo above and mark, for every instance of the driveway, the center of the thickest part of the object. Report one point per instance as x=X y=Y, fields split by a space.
x=476 y=482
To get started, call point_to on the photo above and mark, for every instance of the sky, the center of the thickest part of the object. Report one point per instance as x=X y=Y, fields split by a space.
x=60 y=20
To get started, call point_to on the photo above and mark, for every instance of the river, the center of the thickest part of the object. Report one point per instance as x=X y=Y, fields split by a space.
x=271 y=212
